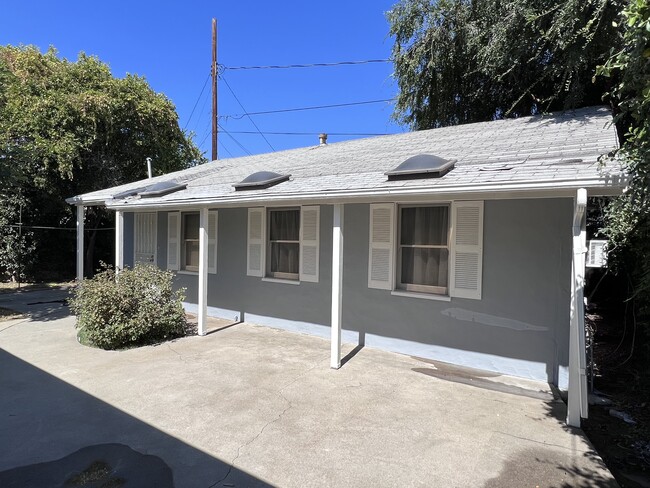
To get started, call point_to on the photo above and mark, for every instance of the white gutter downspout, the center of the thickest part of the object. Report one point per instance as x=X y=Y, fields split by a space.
x=577 y=399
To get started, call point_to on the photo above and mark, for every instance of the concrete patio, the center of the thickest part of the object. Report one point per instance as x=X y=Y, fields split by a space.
x=254 y=406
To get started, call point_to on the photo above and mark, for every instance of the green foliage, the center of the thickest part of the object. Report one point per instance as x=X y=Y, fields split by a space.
x=134 y=308
x=628 y=217
x=459 y=61
x=68 y=128
x=16 y=245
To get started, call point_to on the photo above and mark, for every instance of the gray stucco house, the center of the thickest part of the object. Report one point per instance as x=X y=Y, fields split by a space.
x=463 y=244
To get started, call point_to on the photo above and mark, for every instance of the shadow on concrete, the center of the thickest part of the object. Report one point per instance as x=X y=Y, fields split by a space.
x=44 y=419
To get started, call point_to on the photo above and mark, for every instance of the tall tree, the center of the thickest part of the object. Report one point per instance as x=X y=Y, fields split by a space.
x=459 y=61
x=69 y=127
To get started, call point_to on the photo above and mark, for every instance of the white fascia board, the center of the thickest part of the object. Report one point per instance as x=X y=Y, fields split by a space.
x=543 y=189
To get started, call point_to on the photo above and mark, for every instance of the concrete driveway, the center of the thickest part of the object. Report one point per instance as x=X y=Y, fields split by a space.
x=253 y=406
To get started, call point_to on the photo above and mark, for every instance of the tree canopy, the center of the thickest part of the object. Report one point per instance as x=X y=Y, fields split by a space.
x=459 y=61
x=70 y=127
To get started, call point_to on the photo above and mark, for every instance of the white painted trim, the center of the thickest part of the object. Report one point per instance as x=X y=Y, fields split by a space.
x=119 y=241
x=174 y=220
x=309 y=243
x=469 y=249
x=261 y=242
x=186 y=272
x=278 y=280
x=337 y=286
x=203 y=270
x=577 y=405
x=542 y=189
x=80 y=243
x=213 y=239
x=425 y=296
x=382 y=246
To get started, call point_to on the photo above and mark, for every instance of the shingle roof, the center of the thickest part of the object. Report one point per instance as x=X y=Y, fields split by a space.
x=559 y=150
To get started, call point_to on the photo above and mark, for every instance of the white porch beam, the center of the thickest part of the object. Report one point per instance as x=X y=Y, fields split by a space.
x=119 y=241
x=203 y=271
x=577 y=406
x=80 y=242
x=337 y=285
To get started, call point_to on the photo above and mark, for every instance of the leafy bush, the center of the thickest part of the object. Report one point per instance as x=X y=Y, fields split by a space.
x=135 y=307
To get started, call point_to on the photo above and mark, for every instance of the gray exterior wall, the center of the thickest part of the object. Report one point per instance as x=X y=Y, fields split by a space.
x=519 y=327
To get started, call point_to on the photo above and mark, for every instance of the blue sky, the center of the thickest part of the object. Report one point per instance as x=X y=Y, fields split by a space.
x=169 y=44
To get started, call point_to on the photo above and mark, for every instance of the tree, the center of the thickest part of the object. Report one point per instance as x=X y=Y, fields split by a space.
x=71 y=127
x=628 y=217
x=459 y=61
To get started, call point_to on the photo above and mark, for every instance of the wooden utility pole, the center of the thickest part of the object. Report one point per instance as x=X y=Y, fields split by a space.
x=215 y=127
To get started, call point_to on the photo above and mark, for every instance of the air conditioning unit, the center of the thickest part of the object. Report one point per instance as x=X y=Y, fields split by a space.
x=597 y=255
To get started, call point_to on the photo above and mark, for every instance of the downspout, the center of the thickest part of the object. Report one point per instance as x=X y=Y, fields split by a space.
x=577 y=398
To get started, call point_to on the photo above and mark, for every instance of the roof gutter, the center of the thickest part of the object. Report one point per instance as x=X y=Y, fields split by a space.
x=614 y=188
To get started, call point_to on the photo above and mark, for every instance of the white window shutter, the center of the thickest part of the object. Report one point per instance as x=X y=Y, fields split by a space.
x=213 y=225
x=309 y=243
x=381 y=252
x=466 y=249
x=173 y=240
x=255 y=245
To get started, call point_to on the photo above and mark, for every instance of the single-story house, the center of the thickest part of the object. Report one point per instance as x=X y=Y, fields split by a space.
x=462 y=244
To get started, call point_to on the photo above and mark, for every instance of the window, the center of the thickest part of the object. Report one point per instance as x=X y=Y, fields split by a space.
x=284 y=243
x=283 y=250
x=190 y=242
x=423 y=251
x=435 y=249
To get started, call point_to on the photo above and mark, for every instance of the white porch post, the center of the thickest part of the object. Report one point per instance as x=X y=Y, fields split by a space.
x=577 y=398
x=203 y=270
x=80 y=243
x=119 y=241
x=337 y=285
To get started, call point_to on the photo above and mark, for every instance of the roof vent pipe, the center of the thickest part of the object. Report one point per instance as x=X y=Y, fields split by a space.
x=149 y=167
x=323 y=139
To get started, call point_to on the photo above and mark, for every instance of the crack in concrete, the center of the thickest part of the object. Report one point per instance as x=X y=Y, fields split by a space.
x=180 y=356
x=286 y=409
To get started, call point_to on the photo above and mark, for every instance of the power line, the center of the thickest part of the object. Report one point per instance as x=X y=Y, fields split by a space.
x=299 y=109
x=312 y=65
x=196 y=103
x=225 y=148
x=233 y=138
x=313 y=133
x=246 y=113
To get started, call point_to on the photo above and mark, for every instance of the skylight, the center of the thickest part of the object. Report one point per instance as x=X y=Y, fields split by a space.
x=260 y=181
x=421 y=166
x=161 y=189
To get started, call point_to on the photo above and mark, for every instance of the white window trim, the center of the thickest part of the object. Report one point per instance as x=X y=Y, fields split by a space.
x=409 y=288
x=182 y=265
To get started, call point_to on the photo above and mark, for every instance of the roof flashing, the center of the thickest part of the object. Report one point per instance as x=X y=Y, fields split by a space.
x=421 y=166
x=260 y=181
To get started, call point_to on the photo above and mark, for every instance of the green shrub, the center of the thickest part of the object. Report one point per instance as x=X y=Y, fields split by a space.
x=136 y=307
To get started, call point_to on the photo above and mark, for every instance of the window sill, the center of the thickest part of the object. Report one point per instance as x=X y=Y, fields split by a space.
x=425 y=296
x=278 y=280
x=186 y=272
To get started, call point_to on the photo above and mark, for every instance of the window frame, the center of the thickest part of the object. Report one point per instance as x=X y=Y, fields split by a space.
x=411 y=287
x=267 y=236
x=183 y=264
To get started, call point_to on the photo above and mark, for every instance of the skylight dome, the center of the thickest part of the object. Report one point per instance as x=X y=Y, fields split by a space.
x=421 y=166
x=161 y=189
x=260 y=181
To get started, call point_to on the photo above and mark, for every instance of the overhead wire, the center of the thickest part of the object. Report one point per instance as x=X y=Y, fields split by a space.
x=234 y=139
x=245 y=112
x=300 y=109
x=312 y=133
x=310 y=65
x=197 y=102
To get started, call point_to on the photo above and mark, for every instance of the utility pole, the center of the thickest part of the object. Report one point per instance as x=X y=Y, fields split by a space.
x=215 y=127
